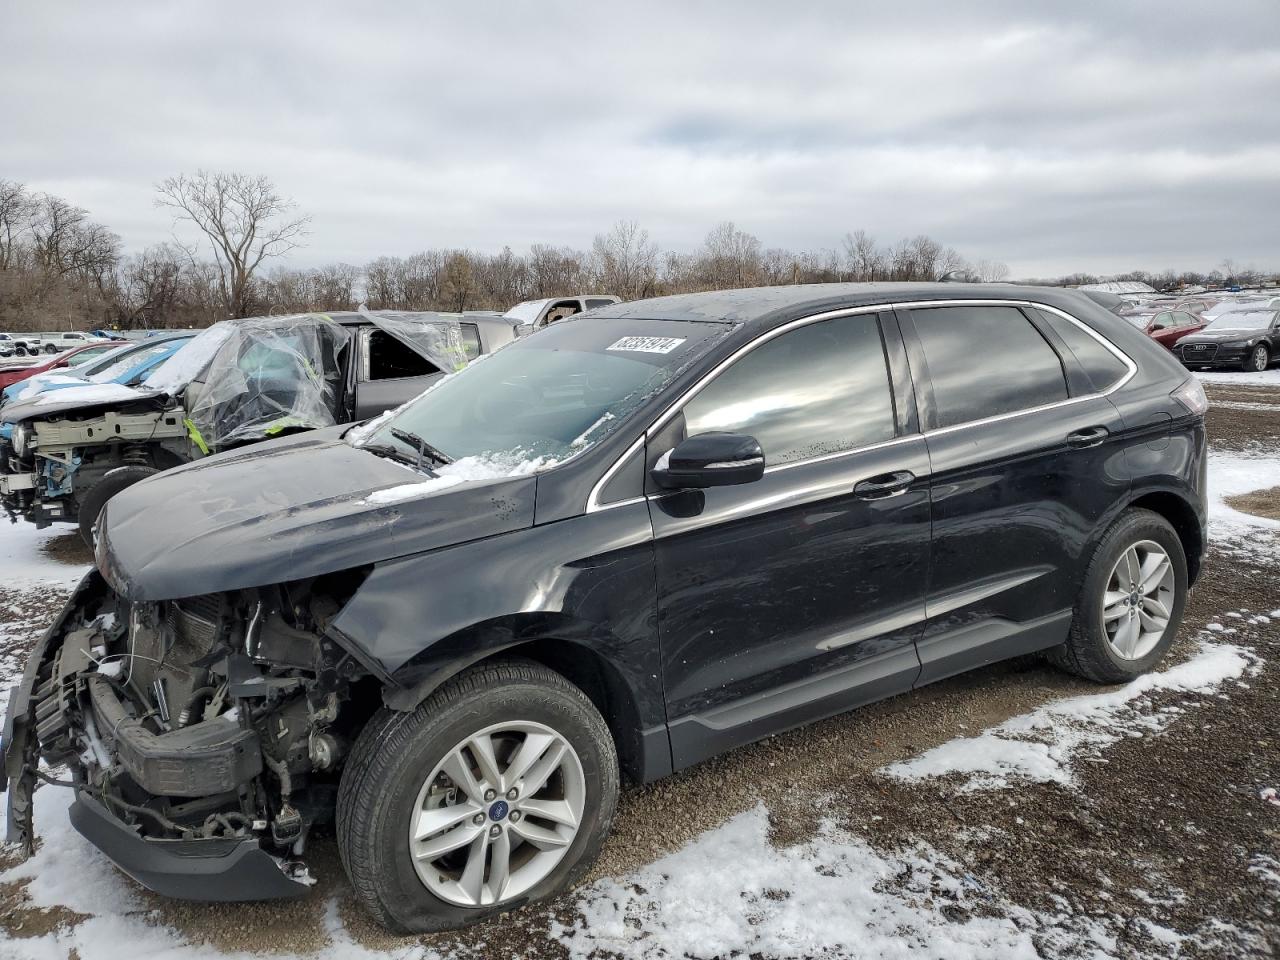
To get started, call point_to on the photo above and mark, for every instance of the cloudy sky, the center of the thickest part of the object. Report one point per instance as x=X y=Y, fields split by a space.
x=1098 y=136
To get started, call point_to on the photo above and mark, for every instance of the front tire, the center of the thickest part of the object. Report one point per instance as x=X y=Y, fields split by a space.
x=96 y=498
x=1258 y=359
x=1130 y=606
x=497 y=791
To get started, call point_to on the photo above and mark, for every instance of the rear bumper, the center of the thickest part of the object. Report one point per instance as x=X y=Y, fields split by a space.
x=208 y=870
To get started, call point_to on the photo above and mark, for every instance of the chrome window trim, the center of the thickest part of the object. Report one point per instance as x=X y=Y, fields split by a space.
x=593 y=500
x=905 y=438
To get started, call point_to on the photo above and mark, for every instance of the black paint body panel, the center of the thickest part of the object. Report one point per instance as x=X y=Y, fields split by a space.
x=283 y=510
x=719 y=616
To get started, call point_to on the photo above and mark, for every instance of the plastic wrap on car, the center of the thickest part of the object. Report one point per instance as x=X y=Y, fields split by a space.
x=436 y=336
x=268 y=375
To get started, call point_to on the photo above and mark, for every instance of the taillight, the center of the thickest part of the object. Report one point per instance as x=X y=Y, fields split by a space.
x=1191 y=395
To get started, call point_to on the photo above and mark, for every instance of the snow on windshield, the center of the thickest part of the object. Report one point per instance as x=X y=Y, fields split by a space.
x=526 y=312
x=133 y=360
x=183 y=367
x=1242 y=320
x=546 y=398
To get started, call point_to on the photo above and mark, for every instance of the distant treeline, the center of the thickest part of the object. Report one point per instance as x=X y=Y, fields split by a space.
x=61 y=270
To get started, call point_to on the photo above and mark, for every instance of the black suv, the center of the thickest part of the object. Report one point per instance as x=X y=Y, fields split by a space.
x=611 y=550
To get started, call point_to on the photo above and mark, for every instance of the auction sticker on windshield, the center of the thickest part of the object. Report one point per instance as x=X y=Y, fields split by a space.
x=647 y=344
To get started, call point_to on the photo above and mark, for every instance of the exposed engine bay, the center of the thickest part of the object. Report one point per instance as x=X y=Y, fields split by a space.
x=209 y=718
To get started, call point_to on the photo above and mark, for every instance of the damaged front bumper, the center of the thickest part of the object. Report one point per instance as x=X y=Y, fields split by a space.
x=201 y=736
x=207 y=869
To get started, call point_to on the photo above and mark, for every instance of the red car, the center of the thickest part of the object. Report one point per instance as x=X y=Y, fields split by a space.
x=1168 y=326
x=68 y=358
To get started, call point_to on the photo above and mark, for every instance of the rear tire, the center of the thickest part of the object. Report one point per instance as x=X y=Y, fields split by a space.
x=112 y=483
x=1108 y=620
x=50 y=348
x=1258 y=359
x=404 y=768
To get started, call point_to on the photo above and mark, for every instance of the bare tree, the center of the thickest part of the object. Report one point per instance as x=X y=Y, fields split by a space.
x=991 y=271
x=625 y=261
x=863 y=257
x=16 y=210
x=554 y=271
x=243 y=219
x=730 y=257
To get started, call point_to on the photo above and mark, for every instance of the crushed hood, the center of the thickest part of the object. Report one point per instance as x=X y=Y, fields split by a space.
x=90 y=398
x=288 y=509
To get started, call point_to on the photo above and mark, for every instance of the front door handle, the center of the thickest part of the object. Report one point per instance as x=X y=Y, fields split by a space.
x=1088 y=437
x=885 y=485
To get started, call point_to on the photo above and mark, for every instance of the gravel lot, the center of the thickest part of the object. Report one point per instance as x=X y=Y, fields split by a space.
x=1159 y=842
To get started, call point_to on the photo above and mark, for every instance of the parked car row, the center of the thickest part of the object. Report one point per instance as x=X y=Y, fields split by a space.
x=32 y=344
x=1206 y=332
x=64 y=453
x=618 y=546
x=65 y=360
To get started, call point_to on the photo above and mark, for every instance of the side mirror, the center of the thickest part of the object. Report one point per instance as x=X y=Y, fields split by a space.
x=710 y=460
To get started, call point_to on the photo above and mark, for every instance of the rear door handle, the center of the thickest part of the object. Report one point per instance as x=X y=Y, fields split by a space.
x=1088 y=437
x=884 y=485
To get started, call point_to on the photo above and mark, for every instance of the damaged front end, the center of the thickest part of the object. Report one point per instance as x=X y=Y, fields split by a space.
x=203 y=736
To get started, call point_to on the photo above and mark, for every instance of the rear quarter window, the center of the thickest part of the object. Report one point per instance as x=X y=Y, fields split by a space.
x=985 y=361
x=1099 y=363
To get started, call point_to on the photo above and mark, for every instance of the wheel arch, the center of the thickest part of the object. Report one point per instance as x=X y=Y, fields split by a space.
x=574 y=650
x=1184 y=519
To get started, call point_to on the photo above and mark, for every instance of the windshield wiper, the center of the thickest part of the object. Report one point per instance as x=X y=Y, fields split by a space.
x=424 y=450
x=387 y=450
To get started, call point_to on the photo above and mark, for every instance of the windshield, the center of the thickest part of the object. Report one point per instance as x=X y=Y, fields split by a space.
x=1241 y=320
x=542 y=399
x=526 y=312
x=133 y=359
x=180 y=369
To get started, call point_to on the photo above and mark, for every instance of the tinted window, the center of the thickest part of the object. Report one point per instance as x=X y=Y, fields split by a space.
x=593 y=303
x=1103 y=367
x=389 y=359
x=820 y=389
x=985 y=361
x=470 y=340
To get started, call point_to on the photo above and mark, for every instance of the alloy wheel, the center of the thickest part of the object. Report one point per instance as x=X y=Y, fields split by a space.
x=1139 y=600
x=1258 y=360
x=497 y=814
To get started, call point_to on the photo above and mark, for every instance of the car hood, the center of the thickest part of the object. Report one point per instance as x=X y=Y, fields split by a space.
x=288 y=509
x=1217 y=336
x=85 y=399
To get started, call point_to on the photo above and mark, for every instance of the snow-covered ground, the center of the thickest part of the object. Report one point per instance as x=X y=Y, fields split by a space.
x=733 y=892
x=24 y=561
x=1268 y=378
x=1043 y=745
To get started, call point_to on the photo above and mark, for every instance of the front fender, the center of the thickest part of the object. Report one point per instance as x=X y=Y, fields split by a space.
x=588 y=580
